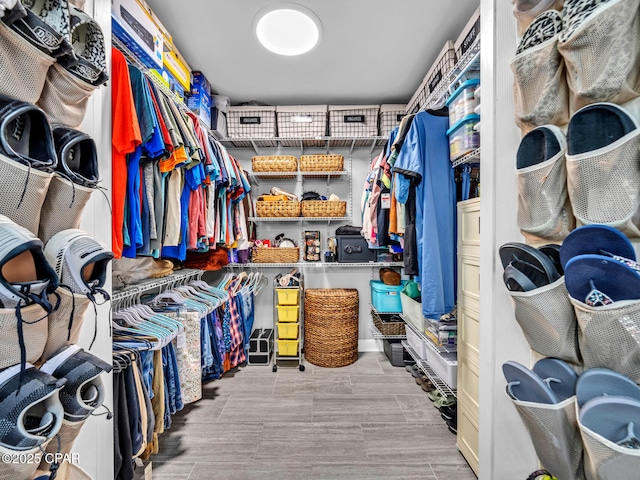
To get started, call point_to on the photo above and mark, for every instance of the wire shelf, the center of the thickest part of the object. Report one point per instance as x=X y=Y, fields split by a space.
x=133 y=60
x=378 y=335
x=472 y=157
x=426 y=369
x=297 y=219
x=296 y=175
x=316 y=265
x=316 y=144
x=438 y=349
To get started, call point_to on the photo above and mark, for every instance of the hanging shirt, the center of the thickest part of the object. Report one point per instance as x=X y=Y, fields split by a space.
x=125 y=137
x=173 y=216
x=424 y=163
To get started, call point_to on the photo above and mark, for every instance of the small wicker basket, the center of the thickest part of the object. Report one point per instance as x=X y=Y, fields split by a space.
x=275 y=255
x=324 y=208
x=278 y=209
x=388 y=328
x=274 y=163
x=321 y=163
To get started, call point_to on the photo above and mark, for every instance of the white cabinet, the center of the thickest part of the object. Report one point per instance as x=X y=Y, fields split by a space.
x=468 y=329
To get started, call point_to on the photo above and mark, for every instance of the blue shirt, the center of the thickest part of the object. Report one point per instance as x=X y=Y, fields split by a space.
x=424 y=162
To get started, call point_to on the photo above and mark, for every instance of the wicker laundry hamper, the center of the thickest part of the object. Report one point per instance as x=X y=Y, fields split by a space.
x=331 y=326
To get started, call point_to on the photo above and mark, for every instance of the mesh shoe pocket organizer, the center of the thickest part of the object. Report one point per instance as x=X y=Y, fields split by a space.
x=605 y=459
x=34 y=328
x=66 y=322
x=548 y=321
x=555 y=436
x=603 y=183
x=22 y=193
x=67 y=471
x=602 y=54
x=63 y=207
x=20 y=471
x=543 y=203
x=23 y=67
x=609 y=336
x=541 y=95
x=65 y=97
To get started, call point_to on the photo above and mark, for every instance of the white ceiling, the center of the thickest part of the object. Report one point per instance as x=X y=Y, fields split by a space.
x=371 y=51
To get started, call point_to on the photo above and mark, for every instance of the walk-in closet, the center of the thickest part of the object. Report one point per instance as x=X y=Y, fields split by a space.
x=319 y=240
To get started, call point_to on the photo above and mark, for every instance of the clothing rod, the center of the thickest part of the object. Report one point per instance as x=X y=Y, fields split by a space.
x=133 y=290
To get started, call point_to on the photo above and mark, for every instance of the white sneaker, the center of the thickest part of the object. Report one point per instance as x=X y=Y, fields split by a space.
x=80 y=261
x=14 y=241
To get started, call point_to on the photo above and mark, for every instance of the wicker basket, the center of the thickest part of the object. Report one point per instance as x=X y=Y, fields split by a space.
x=321 y=163
x=274 y=163
x=278 y=209
x=275 y=255
x=324 y=208
x=388 y=328
x=331 y=326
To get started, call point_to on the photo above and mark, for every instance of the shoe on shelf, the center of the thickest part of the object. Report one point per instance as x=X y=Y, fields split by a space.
x=449 y=412
x=414 y=370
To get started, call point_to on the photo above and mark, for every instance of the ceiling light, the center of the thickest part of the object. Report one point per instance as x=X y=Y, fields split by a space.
x=290 y=30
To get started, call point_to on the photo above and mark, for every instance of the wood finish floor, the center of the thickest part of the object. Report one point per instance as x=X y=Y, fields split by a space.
x=366 y=421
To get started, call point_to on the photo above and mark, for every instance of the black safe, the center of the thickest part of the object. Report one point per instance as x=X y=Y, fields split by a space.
x=354 y=249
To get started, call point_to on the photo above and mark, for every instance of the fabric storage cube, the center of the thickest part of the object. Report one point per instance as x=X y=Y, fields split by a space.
x=288 y=313
x=463 y=101
x=445 y=365
x=249 y=121
x=386 y=298
x=288 y=331
x=302 y=121
x=353 y=120
x=390 y=117
x=463 y=138
x=287 y=296
x=287 y=348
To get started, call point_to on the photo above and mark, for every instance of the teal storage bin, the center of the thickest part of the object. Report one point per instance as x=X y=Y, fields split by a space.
x=386 y=298
x=463 y=101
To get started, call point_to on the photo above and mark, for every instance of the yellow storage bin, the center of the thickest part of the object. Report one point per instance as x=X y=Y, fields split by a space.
x=287 y=296
x=288 y=330
x=288 y=313
x=288 y=348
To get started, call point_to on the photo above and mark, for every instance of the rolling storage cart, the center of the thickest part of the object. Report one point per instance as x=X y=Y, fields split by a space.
x=288 y=313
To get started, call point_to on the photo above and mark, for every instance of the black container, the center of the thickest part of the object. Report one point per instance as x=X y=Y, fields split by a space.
x=354 y=249
x=395 y=352
x=261 y=346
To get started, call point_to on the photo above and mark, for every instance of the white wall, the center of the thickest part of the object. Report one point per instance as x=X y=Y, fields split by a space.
x=95 y=442
x=505 y=449
x=317 y=276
